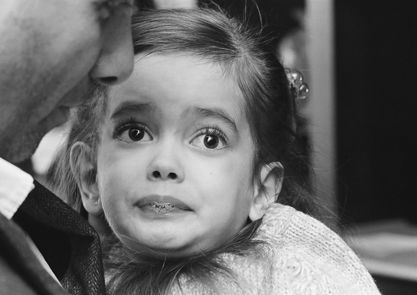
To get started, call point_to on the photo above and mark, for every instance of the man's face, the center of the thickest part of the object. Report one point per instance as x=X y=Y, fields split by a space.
x=175 y=161
x=51 y=54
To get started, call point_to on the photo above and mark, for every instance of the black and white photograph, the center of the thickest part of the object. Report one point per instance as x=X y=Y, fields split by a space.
x=213 y=147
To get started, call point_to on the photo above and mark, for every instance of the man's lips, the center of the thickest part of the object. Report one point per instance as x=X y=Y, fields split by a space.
x=58 y=117
x=81 y=92
x=162 y=204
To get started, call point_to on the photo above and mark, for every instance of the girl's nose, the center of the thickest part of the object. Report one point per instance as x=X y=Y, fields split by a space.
x=165 y=166
x=165 y=175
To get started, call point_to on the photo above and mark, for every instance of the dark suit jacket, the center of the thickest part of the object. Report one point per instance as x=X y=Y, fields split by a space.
x=68 y=243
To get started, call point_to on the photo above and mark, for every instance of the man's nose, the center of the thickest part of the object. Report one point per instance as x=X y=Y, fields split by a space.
x=115 y=62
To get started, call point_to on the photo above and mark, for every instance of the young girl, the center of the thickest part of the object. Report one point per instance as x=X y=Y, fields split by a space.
x=181 y=170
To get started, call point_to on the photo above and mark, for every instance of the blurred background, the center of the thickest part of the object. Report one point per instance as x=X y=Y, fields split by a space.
x=359 y=59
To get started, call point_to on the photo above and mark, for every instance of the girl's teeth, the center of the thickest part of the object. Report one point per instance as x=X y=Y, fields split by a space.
x=162 y=208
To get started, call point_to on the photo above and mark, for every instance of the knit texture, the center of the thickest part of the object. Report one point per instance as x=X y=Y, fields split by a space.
x=300 y=256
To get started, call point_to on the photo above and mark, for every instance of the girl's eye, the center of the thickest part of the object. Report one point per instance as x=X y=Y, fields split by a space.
x=211 y=141
x=210 y=138
x=133 y=133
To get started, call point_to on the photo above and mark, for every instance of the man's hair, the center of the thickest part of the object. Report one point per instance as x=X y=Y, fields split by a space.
x=269 y=107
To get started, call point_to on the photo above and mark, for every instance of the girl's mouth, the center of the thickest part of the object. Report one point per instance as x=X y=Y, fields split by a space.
x=161 y=208
x=161 y=205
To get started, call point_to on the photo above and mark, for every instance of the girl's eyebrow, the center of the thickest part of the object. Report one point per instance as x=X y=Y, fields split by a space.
x=129 y=107
x=216 y=113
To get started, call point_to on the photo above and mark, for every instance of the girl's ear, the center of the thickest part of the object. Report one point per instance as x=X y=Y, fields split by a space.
x=84 y=170
x=267 y=189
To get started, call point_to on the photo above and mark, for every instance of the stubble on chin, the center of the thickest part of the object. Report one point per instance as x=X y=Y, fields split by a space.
x=20 y=147
x=20 y=143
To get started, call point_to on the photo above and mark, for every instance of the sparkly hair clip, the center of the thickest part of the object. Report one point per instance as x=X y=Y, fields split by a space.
x=298 y=87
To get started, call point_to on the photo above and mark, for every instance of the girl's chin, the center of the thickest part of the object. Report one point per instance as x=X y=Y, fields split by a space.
x=156 y=250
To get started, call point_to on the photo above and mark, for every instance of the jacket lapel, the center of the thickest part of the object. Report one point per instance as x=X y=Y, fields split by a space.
x=69 y=244
x=16 y=250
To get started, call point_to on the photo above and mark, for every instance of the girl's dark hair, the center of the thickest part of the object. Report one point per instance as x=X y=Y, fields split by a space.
x=239 y=50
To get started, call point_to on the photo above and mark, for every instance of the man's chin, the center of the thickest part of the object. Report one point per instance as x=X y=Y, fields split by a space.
x=23 y=146
x=21 y=149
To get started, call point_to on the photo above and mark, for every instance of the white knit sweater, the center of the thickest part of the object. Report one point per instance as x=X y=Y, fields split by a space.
x=301 y=256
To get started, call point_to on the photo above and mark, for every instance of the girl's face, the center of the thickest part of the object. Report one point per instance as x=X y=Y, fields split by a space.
x=175 y=162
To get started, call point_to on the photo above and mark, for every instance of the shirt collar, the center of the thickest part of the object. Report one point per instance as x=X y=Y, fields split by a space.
x=15 y=186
